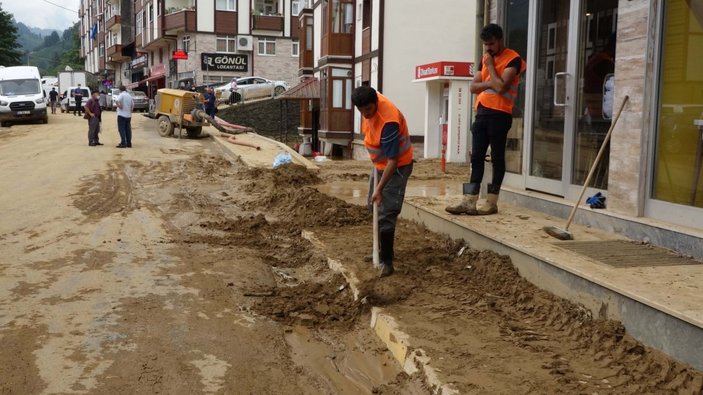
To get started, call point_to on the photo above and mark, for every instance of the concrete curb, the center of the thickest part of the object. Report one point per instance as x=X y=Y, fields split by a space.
x=413 y=360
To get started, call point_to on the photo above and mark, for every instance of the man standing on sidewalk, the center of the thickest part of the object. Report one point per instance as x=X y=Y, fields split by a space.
x=387 y=140
x=497 y=86
x=125 y=106
x=93 y=113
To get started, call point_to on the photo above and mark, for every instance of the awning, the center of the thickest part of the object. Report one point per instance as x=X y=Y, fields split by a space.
x=305 y=90
x=144 y=81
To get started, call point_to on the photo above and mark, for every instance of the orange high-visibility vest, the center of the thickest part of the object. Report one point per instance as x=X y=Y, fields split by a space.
x=386 y=112
x=500 y=101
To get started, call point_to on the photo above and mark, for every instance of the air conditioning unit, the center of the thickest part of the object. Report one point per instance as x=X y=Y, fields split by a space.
x=245 y=43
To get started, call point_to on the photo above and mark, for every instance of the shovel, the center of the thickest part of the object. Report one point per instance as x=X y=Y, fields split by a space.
x=375 y=257
x=564 y=234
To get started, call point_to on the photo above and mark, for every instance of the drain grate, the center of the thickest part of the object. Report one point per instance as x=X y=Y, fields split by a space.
x=621 y=253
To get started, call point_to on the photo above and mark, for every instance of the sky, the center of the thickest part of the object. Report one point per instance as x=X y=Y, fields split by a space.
x=42 y=14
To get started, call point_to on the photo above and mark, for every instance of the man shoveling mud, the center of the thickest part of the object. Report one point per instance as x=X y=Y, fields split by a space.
x=496 y=85
x=387 y=140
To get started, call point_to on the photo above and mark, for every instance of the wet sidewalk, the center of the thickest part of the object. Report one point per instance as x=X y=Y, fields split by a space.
x=655 y=293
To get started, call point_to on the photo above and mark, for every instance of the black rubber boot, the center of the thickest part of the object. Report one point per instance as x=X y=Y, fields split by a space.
x=386 y=241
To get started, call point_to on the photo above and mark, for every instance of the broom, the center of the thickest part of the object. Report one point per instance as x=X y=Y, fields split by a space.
x=375 y=256
x=564 y=234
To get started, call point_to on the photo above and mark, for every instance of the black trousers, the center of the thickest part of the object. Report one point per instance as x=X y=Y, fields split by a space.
x=489 y=130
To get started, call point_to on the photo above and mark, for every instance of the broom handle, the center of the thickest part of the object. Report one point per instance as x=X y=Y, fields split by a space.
x=376 y=258
x=601 y=151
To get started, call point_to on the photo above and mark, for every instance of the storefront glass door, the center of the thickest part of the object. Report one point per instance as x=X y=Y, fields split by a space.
x=565 y=116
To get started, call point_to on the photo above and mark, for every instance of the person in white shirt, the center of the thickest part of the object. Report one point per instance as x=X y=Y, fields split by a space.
x=125 y=105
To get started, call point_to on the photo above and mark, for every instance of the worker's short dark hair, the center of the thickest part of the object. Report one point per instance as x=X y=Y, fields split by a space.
x=363 y=96
x=490 y=31
x=123 y=88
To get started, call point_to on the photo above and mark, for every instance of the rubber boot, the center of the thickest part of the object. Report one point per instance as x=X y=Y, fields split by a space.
x=491 y=205
x=386 y=240
x=468 y=202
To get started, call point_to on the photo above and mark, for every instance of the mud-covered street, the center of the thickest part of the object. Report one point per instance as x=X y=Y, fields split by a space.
x=172 y=267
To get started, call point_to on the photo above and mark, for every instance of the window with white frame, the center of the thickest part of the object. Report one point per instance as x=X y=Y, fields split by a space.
x=295 y=7
x=226 y=5
x=295 y=48
x=101 y=50
x=226 y=44
x=151 y=13
x=267 y=46
x=140 y=22
x=186 y=43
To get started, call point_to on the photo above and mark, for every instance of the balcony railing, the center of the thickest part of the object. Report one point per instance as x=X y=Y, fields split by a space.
x=114 y=52
x=267 y=22
x=115 y=20
x=183 y=20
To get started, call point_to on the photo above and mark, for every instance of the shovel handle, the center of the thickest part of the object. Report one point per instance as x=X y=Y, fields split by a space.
x=601 y=151
x=376 y=258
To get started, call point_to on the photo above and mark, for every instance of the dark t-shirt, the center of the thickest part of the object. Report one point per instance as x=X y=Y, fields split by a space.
x=94 y=107
x=390 y=139
x=516 y=64
x=53 y=95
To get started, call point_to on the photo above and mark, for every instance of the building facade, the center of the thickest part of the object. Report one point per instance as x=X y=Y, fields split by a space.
x=378 y=43
x=583 y=59
x=151 y=44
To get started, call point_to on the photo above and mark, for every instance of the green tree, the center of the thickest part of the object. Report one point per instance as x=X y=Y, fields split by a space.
x=51 y=39
x=10 y=54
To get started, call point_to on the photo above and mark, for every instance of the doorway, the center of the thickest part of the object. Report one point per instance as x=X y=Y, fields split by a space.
x=568 y=111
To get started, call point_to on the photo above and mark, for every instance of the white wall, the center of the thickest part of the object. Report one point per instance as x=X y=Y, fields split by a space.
x=243 y=16
x=206 y=16
x=419 y=32
x=317 y=33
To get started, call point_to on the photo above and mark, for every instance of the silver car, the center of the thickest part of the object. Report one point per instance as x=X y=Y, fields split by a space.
x=249 y=88
x=141 y=101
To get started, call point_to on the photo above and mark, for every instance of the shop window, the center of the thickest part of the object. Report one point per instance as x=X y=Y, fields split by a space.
x=516 y=38
x=679 y=141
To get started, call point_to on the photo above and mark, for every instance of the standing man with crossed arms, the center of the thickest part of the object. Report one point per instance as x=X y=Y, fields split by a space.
x=497 y=86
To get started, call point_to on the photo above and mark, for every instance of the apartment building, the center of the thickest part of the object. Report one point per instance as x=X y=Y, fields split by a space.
x=169 y=43
x=347 y=43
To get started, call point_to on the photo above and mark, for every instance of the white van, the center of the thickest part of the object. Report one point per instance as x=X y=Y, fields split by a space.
x=21 y=95
x=68 y=103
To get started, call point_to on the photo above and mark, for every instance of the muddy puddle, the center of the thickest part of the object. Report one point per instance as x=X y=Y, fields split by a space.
x=349 y=363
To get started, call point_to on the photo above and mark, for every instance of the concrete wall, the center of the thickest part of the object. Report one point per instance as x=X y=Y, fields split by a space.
x=282 y=66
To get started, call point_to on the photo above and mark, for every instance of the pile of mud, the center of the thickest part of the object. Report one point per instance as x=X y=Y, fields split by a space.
x=480 y=287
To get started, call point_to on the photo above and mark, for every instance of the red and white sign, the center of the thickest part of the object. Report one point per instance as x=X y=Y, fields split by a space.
x=157 y=70
x=179 y=55
x=444 y=69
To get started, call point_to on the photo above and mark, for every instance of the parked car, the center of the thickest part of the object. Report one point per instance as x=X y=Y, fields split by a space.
x=250 y=88
x=141 y=101
x=68 y=103
x=109 y=102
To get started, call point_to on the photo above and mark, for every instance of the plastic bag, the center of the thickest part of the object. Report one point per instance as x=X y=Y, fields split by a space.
x=282 y=159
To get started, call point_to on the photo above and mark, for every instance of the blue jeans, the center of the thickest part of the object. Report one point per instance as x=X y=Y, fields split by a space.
x=124 y=126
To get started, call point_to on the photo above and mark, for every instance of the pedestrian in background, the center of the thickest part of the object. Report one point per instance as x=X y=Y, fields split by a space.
x=53 y=97
x=497 y=86
x=232 y=90
x=92 y=114
x=125 y=106
x=387 y=140
x=210 y=102
x=78 y=97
